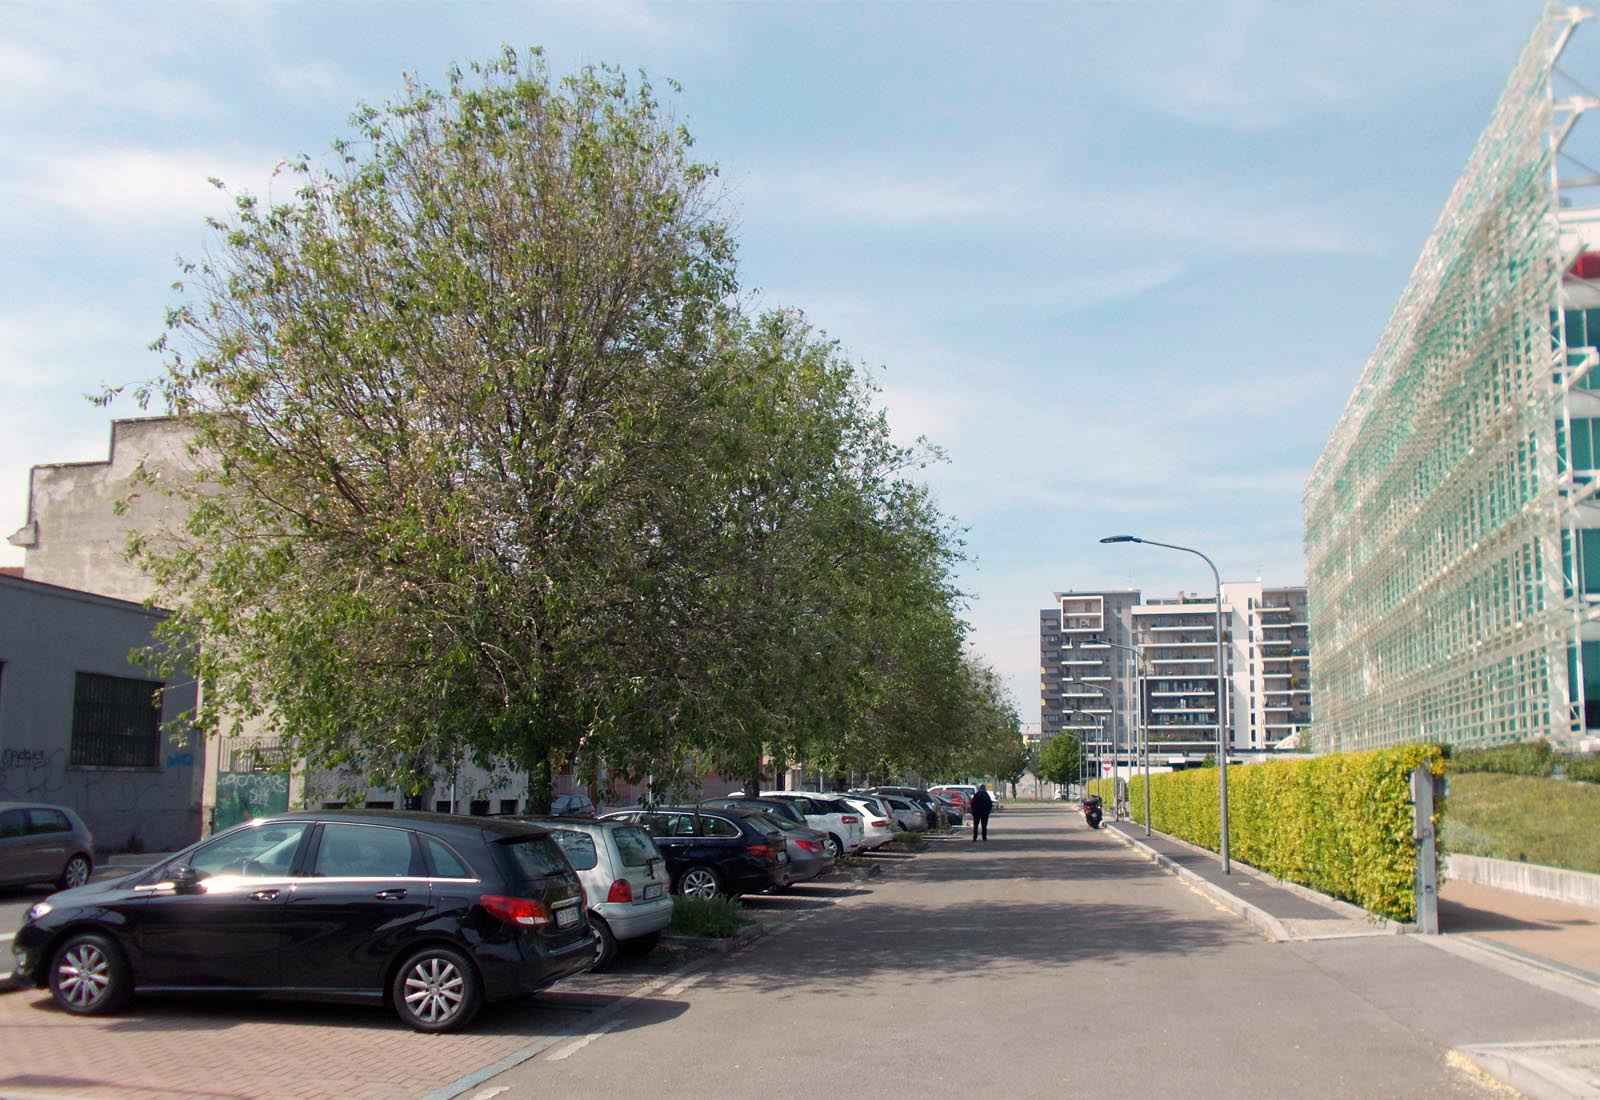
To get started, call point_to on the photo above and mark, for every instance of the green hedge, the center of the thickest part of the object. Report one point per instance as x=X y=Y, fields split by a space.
x=1340 y=824
x=1534 y=758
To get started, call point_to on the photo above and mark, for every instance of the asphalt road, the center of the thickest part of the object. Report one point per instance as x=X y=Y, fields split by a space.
x=1050 y=961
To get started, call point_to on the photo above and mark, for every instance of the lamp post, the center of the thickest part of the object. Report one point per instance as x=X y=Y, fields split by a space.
x=1222 y=736
x=1102 y=724
x=1143 y=728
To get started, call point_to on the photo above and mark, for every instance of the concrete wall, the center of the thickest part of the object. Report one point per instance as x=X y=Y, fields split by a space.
x=1572 y=887
x=75 y=538
x=47 y=636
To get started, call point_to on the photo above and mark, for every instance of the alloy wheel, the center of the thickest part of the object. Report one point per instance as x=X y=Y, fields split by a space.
x=83 y=975
x=434 y=989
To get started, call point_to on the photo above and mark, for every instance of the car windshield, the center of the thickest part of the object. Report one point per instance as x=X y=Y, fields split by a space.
x=635 y=846
x=577 y=847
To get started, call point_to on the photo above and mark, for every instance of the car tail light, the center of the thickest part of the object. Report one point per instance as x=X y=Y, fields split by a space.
x=620 y=891
x=850 y=819
x=759 y=851
x=876 y=824
x=808 y=845
x=521 y=911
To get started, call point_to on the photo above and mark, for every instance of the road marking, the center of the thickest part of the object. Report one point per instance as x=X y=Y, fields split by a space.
x=572 y=1048
x=486 y=1094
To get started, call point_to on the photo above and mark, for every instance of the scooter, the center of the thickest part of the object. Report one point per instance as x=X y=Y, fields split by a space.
x=1092 y=811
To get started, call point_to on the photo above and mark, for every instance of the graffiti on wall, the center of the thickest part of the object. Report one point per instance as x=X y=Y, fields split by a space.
x=242 y=796
x=153 y=811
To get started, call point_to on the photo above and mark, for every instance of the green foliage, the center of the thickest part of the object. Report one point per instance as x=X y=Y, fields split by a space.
x=1524 y=818
x=1340 y=824
x=1583 y=768
x=1061 y=759
x=492 y=466
x=1528 y=758
x=717 y=918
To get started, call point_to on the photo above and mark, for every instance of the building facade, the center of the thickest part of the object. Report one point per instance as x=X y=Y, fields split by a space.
x=1100 y=652
x=83 y=727
x=1452 y=527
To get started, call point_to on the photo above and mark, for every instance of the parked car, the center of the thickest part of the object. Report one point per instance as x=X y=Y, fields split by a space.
x=624 y=878
x=840 y=823
x=44 y=843
x=571 y=805
x=907 y=814
x=877 y=823
x=432 y=914
x=954 y=807
x=714 y=853
x=931 y=807
x=809 y=856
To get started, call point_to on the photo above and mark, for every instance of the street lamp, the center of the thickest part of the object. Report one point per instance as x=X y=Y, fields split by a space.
x=1222 y=737
x=1143 y=727
x=1102 y=724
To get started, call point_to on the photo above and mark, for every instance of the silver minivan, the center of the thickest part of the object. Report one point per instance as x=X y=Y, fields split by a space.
x=44 y=843
x=624 y=876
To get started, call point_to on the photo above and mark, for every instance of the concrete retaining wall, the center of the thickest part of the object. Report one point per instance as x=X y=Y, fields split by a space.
x=1572 y=887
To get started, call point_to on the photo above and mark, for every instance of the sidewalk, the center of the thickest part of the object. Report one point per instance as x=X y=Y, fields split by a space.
x=1546 y=943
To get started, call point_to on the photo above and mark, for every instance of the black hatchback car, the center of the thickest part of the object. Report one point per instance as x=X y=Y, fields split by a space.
x=711 y=853
x=432 y=914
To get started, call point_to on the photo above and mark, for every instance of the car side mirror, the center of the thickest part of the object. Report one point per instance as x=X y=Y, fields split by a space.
x=184 y=878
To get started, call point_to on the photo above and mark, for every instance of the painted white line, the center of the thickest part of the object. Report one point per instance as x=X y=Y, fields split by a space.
x=487 y=1094
x=680 y=987
x=572 y=1048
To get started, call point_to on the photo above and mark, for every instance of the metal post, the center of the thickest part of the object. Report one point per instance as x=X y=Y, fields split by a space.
x=1427 y=888
x=1222 y=735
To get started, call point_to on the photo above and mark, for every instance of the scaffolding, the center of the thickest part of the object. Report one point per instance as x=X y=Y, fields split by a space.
x=1445 y=519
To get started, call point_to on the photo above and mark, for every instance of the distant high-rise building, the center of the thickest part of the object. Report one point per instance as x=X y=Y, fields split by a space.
x=1089 y=687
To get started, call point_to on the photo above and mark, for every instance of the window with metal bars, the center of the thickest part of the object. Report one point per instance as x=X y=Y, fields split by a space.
x=116 y=722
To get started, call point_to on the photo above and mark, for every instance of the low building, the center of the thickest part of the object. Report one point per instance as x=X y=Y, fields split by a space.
x=82 y=726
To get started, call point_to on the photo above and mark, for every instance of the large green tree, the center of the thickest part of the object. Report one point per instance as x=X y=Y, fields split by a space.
x=494 y=465
x=1060 y=759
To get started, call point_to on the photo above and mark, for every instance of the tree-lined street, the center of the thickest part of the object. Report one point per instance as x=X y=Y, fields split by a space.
x=1051 y=959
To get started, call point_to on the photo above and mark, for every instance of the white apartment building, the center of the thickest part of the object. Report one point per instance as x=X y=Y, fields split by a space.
x=1101 y=651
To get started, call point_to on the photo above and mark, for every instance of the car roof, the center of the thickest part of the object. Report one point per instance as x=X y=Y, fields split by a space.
x=434 y=823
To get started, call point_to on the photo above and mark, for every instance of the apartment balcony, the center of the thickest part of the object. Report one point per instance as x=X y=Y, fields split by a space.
x=1096 y=661
x=1209 y=660
x=1183 y=710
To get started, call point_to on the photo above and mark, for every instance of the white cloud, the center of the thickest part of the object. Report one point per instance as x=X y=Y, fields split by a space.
x=50 y=83
x=131 y=187
x=872 y=196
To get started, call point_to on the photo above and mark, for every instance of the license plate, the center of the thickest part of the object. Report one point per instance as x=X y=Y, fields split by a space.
x=652 y=891
x=566 y=917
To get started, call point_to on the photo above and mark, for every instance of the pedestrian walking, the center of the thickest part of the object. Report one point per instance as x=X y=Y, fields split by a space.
x=981 y=805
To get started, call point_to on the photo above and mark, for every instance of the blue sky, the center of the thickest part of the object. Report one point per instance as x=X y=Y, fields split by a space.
x=1123 y=261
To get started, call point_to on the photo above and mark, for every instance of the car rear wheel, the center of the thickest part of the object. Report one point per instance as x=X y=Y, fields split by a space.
x=639 y=945
x=605 y=944
x=89 y=975
x=699 y=882
x=835 y=846
x=75 y=873
x=436 y=989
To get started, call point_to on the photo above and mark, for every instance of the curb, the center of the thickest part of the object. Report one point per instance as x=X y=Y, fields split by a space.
x=720 y=945
x=1266 y=922
x=1520 y=1066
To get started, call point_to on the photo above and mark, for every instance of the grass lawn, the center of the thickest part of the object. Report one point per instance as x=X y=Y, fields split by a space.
x=1550 y=821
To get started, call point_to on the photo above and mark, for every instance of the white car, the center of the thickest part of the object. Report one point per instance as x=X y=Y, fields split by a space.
x=877 y=822
x=624 y=876
x=907 y=813
x=834 y=819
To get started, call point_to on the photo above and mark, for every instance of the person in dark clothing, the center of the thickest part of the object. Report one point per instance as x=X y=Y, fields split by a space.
x=981 y=805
